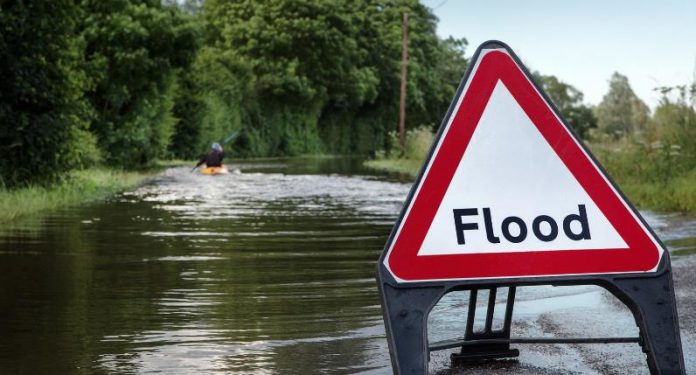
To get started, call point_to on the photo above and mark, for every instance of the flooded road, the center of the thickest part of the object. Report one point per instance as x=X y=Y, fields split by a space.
x=266 y=271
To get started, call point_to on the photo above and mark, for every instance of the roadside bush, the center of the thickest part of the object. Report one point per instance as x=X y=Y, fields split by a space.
x=416 y=147
x=133 y=50
x=43 y=115
x=664 y=150
x=280 y=129
x=418 y=143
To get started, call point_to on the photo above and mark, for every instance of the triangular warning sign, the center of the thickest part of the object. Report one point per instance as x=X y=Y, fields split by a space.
x=510 y=192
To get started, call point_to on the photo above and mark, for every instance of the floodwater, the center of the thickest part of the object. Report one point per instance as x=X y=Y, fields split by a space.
x=269 y=270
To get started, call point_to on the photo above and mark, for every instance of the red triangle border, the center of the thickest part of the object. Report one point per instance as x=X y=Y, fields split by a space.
x=643 y=252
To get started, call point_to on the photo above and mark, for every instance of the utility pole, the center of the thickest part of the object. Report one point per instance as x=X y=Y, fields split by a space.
x=402 y=96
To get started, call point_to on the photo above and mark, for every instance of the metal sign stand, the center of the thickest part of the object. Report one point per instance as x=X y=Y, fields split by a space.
x=489 y=343
x=650 y=297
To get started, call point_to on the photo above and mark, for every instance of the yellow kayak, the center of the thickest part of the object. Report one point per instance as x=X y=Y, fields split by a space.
x=211 y=171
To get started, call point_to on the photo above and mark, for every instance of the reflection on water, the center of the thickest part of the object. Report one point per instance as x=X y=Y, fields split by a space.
x=267 y=271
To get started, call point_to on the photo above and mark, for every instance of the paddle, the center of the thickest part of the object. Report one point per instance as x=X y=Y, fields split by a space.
x=231 y=137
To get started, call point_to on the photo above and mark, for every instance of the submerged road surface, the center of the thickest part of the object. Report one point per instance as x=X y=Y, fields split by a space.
x=268 y=271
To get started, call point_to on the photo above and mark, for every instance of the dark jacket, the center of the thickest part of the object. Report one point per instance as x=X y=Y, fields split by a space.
x=212 y=159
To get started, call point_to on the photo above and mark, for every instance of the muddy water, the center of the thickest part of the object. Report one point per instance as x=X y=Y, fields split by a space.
x=265 y=271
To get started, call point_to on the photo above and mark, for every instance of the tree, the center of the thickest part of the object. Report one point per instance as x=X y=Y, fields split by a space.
x=325 y=75
x=211 y=102
x=43 y=114
x=673 y=126
x=302 y=56
x=300 y=51
x=568 y=100
x=435 y=68
x=621 y=112
x=135 y=49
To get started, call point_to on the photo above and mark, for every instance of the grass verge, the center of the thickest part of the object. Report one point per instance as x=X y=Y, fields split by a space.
x=409 y=161
x=678 y=194
x=404 y=166
x=77 y=187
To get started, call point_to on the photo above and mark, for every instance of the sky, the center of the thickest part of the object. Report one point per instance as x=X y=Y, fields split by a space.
x=582 y=43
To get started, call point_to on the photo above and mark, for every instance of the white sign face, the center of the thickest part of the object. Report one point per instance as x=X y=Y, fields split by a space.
x=524 y=198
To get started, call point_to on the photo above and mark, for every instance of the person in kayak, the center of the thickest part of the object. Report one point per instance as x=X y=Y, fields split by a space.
x=213 y=158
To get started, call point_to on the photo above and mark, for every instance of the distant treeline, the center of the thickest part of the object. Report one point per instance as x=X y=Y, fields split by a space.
x=124 y=82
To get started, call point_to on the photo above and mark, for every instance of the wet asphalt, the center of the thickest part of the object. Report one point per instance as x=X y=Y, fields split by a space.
x=596 y=314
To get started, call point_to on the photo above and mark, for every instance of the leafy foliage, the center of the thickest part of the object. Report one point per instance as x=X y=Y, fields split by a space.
x=435 y=68
x=43 y=115
x=568 y=100
x=124 y=82
x=657 y=166
x=134 y=49
x=621 y=111
x=323 y=76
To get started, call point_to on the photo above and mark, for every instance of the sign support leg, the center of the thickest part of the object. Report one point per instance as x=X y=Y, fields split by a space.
x=487 y=351
x=406 y=314
x=652 y=301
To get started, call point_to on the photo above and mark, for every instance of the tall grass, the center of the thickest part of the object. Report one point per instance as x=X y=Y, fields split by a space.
x=653 y=175
x=75 y=188
x=679 y=194
x=416 y=147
